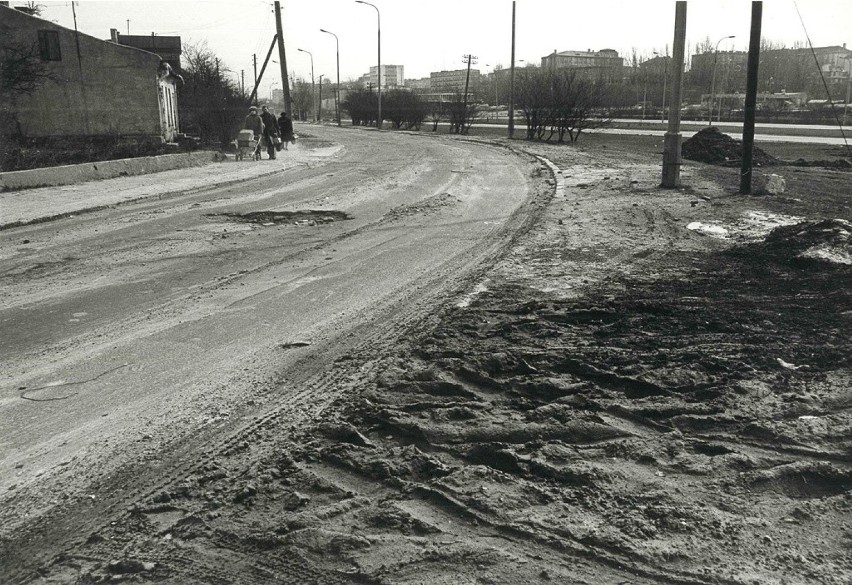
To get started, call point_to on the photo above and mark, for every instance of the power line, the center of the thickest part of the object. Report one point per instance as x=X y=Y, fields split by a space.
x=822 y=77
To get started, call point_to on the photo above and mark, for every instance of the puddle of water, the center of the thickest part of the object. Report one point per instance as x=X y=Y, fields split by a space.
x=271 y=218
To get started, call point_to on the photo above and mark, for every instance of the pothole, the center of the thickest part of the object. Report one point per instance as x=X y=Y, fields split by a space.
x=268 y=218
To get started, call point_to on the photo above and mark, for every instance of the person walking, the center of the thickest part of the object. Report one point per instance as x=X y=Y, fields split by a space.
x=254 y=123
x=270 y=130
x=285 y=125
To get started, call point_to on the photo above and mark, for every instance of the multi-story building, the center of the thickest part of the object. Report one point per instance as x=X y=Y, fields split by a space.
x=790 y=70
x=393 y=76
x=424 y=84
x=605 y=61
x=454 y=81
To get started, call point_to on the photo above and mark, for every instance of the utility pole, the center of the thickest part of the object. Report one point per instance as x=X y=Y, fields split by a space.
x=242 y=82
x=751 y=98
x=512 y=80
x=319 y=116
x=848 y=89
x=254 y=60
x=253 y=96
x=282 y=58
x=671 y=146
x=467 y=59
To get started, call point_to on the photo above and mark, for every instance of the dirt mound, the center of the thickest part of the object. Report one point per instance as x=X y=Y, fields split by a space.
x=829 y=240
x=714 y=147
x=840 y=164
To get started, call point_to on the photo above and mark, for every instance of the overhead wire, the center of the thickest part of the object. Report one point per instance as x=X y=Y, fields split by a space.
x=822 y=77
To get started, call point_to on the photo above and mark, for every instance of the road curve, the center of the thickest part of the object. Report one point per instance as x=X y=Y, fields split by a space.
x=140 y=340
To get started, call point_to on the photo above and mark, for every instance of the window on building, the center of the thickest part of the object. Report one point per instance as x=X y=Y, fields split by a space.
x=48 y=45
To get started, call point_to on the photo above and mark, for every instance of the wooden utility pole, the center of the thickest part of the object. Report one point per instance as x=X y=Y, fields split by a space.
x=254 y=59
x=512 y=80
x=282 y=59
x=751 y=98
x=253 y=96
x=671 y=146
x=467 y=59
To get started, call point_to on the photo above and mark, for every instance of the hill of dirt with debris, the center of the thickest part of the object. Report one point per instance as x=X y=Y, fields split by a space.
x=713 y=146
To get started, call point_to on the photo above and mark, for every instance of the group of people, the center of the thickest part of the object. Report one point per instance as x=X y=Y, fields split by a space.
x=275 y=133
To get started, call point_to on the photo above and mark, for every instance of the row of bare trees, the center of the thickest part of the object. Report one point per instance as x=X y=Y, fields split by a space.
x=559 y=103
x=403 y=109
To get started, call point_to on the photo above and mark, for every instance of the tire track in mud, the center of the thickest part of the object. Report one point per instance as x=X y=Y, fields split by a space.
x=55 y=536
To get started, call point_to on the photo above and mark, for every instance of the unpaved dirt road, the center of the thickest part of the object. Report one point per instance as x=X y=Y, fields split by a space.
x=141 y=341
x=470 y=377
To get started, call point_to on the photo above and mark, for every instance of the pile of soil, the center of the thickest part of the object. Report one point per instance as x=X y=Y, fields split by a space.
x=841 y=164
x=712 y=146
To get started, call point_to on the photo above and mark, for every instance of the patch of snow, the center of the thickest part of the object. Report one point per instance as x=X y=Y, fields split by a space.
x=468 y=298
x=705 y=228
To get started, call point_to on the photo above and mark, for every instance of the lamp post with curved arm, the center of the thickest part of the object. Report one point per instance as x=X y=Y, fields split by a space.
x=379 y=69
x=713 y=83
x=337 y=93
x=313 y=91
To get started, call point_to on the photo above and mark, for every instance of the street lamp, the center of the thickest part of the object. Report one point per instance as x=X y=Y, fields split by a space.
x=713 y=83
x=313 y=89
x=379 y=69
x=848 y=89
x=337 y=93
x=665 y=79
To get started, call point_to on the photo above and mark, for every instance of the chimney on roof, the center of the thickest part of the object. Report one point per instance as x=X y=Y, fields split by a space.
x=113 y=35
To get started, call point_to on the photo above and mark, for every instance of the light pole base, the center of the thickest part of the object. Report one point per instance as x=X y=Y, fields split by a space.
x=671 y=160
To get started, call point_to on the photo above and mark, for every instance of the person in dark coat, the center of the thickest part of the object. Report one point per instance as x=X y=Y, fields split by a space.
x=254 y=123
x=285 y=124
x=270 y=130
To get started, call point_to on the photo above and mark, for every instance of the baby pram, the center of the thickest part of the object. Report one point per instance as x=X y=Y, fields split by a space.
x=247 y=146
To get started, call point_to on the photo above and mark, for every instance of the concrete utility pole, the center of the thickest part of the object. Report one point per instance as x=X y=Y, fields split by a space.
x=512 y=80
x=379 y=68
x=671 y=149
x=713 y=82
x=751 y=97
x=313 y=86
x=336 y=93
x=282 y=59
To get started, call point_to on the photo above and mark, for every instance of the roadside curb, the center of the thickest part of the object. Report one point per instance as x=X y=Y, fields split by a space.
x=558 y=178
x=108 y=169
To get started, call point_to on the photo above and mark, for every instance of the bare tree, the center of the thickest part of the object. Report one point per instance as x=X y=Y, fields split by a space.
x=210 y=102
x=21 y=73
x=460 y=114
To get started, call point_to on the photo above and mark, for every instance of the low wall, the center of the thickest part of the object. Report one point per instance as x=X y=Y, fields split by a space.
x=107 y=169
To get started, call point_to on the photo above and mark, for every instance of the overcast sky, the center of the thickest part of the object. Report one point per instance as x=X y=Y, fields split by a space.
x=433 y=35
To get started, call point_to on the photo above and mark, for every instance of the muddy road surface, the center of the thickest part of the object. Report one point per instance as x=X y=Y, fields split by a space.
x=141 y=342
x=430 y=360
